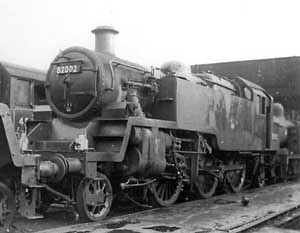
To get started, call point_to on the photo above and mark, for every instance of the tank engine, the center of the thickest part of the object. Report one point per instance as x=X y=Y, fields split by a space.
x=22 y=99
x=120 y=127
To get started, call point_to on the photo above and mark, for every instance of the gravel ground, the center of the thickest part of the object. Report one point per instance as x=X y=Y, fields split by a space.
x=204 y=210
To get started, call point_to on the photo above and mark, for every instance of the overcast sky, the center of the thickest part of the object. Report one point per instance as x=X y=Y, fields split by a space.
x=151 y=31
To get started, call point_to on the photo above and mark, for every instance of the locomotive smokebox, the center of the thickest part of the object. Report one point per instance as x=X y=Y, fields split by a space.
x=105 y=39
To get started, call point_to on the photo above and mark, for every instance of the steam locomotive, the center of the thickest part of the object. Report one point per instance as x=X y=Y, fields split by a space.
x=22 y=98
x=118 y=127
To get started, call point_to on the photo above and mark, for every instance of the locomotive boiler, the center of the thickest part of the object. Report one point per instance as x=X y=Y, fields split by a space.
x=118 y=127
x=83 y=83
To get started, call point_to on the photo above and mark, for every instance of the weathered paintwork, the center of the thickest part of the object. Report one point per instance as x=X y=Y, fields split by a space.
x=20 y=91
x=216 y=110
x=11 y=151
x=59 y=137
x=279 y=76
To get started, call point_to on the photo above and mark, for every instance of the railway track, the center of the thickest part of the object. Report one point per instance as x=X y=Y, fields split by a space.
x=222 y=213
x=58 y=216
x=275 y=220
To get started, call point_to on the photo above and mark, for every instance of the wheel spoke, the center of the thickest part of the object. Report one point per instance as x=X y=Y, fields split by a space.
x=165 y=196
x=160 y=189
x=104 y=185
x=99 y=191
x=169 y=193
x=95 y=187
x=93 y=209
x=165 y=192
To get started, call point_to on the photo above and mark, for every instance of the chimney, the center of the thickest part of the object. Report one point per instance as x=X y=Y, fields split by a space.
x=105 y=39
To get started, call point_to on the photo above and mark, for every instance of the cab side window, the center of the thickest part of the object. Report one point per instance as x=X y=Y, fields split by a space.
x=248 y=93
x=261 y=105
x=20 y=93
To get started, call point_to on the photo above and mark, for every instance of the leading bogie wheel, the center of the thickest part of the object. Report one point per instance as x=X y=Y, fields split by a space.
x=7 y=206
x=94 y=198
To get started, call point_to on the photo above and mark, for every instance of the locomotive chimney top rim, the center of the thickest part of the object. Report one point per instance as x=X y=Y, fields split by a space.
x=105 y=39
x=105 y=28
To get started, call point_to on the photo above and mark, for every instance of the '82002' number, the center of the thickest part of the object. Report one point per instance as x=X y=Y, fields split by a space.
x=70 y=68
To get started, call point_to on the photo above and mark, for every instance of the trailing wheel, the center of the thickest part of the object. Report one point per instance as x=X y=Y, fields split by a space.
x=7 y=205
x=165 y=192
x=94 y=198
x=278 y=168
x=235 y=179
x=260 y=178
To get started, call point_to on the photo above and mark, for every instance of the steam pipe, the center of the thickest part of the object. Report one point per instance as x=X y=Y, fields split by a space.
x=58 y=166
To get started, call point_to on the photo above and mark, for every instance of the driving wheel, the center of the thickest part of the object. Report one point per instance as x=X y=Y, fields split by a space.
x=235 y=179
x=206 y=185
x=165 y=192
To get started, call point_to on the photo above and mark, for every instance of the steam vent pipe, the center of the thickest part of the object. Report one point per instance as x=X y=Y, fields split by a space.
x=105 y=39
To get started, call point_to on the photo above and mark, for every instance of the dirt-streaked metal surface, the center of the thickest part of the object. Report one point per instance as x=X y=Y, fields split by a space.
x=219 y=214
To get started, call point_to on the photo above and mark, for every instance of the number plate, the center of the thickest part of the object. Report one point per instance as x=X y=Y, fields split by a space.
x=68 y=68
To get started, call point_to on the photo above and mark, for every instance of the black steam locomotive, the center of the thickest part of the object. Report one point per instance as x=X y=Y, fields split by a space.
x=120 y=127
x=22 y=99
